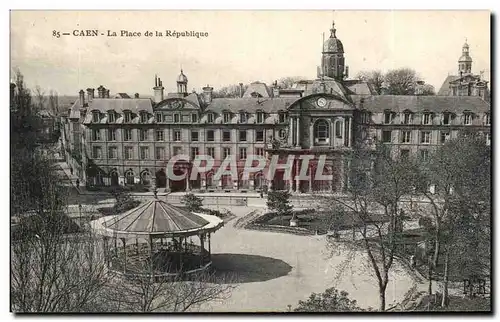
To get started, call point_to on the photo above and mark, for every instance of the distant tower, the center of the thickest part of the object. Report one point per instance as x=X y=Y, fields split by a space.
x=465 y=61
x=158 y=89
x=182 y=82
x=332 y=62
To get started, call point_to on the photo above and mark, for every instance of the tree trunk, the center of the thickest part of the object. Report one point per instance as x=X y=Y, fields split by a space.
x=437 y=244
x=381 y=294
x=444 y=301
x=429 y=275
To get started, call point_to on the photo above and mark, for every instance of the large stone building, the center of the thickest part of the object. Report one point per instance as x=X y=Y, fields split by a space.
x=127 y=141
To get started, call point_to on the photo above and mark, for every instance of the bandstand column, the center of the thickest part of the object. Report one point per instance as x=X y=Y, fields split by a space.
x=188 y=187
x=297 y=143
x=209 y=249
x=290 y=131
x=202 y=247
x=350 y=132
x=151 y=256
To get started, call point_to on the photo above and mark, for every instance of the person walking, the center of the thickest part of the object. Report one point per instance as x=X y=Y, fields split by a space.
x=77 y=183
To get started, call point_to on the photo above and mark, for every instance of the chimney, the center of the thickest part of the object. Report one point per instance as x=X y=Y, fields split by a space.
x=100 y=91
x=90 y=93
x=276 y=90
x=106 y=93
x=347 y=72
x=158 y=90
x=82 y=97
x=136 y=95
x=241 y=89
x=207 y=94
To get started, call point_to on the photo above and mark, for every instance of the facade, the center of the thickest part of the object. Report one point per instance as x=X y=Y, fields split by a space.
x=129 y=141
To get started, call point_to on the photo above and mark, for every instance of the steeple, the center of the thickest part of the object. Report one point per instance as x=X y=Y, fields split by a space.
x=465 y=61
x=332 y=62
x=182 y=83
x=333 y=31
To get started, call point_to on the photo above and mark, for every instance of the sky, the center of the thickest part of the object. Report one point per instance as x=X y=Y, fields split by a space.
x=241 y=46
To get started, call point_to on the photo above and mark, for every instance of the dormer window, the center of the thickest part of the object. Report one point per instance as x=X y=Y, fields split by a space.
x=95 y=117
x=365 y=117
x=159 y=118
x=128 y=116
x=111 y=116
x=387 y=117
x=282 y=117
x=194 y=118
x=243 y=117
x=144 y=117
x=446 y=118
x=467 y=118
x=260 y=117
x=407 y=117
x=227 y=117
x=210 y=117
x=427 y=118
x=487 y=119
x=177 y=118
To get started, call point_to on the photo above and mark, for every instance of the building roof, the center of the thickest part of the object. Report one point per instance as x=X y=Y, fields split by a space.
x=437 y=104
x=122 y=95
x=156 y=217
x=360 y=87
x=250 y=105
x=445 y=88
x=135 y=105
x=258 y=87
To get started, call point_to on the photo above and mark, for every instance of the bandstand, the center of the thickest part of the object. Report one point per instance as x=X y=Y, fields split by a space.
x=157 y=239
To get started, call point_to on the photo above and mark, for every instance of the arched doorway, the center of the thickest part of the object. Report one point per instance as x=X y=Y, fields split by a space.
x=321 y=132
x=321 y=185
x=226 y=182
x=129 y=177
x=278 y=182
x=146 y=177
x=114 y=177
x=178 y=185
x=161 y=179
x=209 y=180
x=243 y=184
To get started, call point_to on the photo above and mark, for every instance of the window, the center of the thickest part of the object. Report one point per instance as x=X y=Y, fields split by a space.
x=129 y=153
x=387 y=117
x=321 y=131
x=96 y=135
x=95 y=117
x=159 y=153
x=96 y=152
x=194 y=152
x=111 y=135
x=159 y=118
x=210 y=117
x=226 y=136
x=177 y=135
x=259 y=136
x=487 y=119
x=129 y=177
x=243 y=117
x=177 y=118
x=407 y=116
x=243 y=136
x=424 y=155
x=127 y=135
x=143 y=135
x=111 y=116
x=194 y=136
x=365 y=117
x=488 y=139
x=112 y=152
x=467 y=118
x=159 y=135
x=260 y=117
x=259 y=151
x=338 y=128
x=226 y=152
x=227 y=117
x=406 y=137
x=446 y=119
x=177 y=150
x=144 y=152
x=243 y=153
x=128 y=116
x=425 y=137
x=282 y=117
x=210 y=136
x=144 y=117
x=386 y=136
x=427 y=119
x=445 y=136
x=405 y=154
x=211 y=152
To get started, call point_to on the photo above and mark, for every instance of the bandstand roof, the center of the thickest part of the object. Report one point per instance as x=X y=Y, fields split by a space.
x=156 y=217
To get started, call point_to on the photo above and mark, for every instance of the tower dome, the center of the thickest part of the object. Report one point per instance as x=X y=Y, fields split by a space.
x=182 y=78
x=333 y=44
x=465 y=61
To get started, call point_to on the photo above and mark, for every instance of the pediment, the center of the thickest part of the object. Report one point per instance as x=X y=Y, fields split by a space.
x=176 y=104
x=321 y=102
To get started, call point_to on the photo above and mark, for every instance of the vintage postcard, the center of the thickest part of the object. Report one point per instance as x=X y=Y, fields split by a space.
x=250 y=161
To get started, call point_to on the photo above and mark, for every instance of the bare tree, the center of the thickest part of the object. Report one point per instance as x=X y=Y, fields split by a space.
x=229 y=91
x=401 y=81
x=53 y=102
x=287 y=82
x=374 y=188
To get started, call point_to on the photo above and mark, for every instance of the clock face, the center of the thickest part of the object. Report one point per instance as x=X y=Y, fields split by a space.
x=321 y=102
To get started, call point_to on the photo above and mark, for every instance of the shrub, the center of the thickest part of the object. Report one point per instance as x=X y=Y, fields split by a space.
x=192 y=202
x=329 y=301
